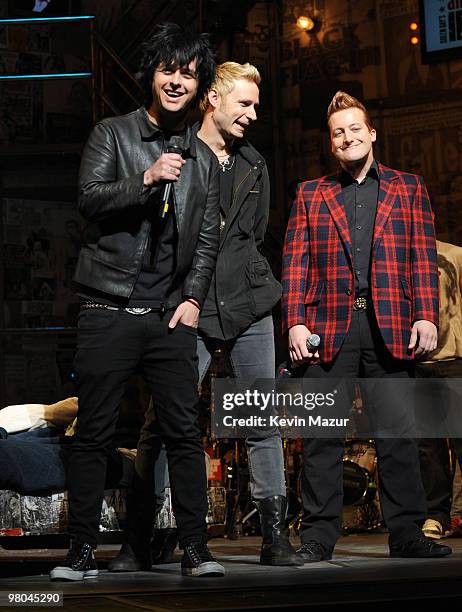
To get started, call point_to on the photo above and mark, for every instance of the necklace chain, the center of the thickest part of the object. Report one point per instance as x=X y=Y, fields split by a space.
x=225 y=163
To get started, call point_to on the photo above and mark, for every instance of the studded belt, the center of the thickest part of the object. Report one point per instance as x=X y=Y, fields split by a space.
x=361 y=303
x=87 y=305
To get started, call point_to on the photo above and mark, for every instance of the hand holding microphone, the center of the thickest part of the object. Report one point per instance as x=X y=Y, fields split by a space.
x=303 y=345
x=166 y=170
x=288 y=369
x=166 y=198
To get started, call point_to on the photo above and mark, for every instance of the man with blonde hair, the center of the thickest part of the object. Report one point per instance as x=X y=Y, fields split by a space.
x=236 y=315
x=359 y=270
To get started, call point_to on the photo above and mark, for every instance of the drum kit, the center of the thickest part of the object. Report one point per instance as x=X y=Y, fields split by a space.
x=230 y=503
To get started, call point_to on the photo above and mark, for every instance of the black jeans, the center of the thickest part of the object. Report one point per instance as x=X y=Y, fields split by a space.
x=111 y=346
x=363 y=354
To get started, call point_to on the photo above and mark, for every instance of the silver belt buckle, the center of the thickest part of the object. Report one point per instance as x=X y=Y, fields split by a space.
x=138 y=311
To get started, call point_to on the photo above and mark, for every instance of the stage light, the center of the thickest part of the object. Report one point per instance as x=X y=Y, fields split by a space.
x=414 y=39
x=306 y=24
x=40 y=20
x=57 y=75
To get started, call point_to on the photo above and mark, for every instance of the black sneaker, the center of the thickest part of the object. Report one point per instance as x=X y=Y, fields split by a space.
x=198 y=561
x=79 y=564
x=419 y=548
x=314 y=551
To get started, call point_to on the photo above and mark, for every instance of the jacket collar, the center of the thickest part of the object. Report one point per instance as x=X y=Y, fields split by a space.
x=150 y=132
x=249 y=153
x=384 y=173
x=331 y=188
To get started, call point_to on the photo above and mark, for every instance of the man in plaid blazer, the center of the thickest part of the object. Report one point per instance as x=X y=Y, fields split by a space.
x=359 y=270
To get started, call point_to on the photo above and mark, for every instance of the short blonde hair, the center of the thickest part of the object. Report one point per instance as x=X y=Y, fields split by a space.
x=226 y=74
x=343 y=101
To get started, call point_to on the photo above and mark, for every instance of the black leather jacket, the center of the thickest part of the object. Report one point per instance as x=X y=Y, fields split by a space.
x=114 y=201
x=243 y=288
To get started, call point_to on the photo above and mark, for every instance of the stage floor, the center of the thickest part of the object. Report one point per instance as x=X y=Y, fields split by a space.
x=359 y=576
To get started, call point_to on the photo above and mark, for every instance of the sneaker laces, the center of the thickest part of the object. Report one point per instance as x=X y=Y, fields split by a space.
x=199 y=553
x=77 y=552
x=312 y=546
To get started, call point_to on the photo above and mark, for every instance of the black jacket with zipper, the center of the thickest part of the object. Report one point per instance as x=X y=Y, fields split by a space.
x=243 y=288
x=114 y=202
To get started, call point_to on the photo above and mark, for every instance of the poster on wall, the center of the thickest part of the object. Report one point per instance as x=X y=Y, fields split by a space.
x=441 y=30
x=20 y=109
x=427 y=140
x=41 y=245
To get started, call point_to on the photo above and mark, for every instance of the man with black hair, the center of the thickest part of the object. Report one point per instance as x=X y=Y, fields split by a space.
x=236 y=316
x=143 y=274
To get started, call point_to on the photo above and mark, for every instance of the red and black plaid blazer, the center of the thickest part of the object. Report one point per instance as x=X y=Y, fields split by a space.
x=317 y=275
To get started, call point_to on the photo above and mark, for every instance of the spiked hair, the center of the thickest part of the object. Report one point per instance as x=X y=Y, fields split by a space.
x=175 y=46
x=343 y=101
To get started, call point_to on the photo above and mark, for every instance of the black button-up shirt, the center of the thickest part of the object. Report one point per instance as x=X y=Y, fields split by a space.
x=360 y=202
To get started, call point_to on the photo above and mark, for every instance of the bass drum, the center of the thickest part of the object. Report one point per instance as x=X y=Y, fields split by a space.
x=361 y=511
x=357 y=484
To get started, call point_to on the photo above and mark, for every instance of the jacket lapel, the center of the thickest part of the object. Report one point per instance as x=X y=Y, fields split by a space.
x=387 y=195
x=332 y=193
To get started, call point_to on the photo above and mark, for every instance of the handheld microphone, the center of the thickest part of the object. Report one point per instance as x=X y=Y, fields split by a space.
x=166 y=198
x=287 y=369
x=313 y=341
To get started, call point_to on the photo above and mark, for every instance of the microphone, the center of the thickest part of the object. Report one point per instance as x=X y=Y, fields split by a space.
x=166 y=198
x=287 y=369
x=313 y=341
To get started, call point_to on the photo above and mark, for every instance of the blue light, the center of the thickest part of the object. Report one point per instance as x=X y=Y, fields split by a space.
x=50 y=328
x=61 y=75
x=42 y=19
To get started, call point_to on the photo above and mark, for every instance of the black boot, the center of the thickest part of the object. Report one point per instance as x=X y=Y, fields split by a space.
x=135 y=554
x=130 y=561
x=163 y=544
x=276 y=548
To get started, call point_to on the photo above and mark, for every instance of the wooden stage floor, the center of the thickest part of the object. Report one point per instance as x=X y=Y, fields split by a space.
x=360 y=576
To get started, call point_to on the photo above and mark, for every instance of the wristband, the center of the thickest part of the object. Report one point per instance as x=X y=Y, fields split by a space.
x=192 y=301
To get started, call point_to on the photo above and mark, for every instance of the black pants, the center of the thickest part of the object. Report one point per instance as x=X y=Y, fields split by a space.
x=111 y=346
x=363 y=354
x=434 y=452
